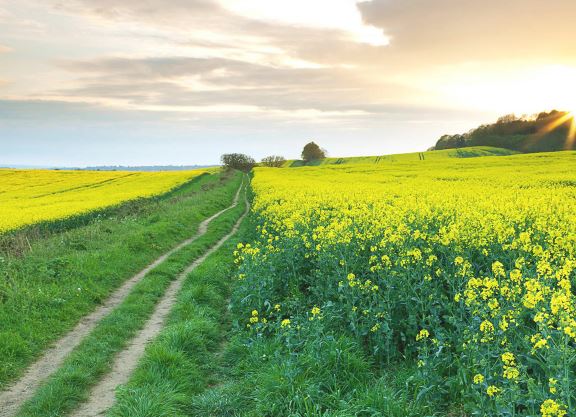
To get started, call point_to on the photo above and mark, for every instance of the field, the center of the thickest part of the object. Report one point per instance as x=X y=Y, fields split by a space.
x=434 y=286
x=33 y=196
x=471 y=152
x=463 y=268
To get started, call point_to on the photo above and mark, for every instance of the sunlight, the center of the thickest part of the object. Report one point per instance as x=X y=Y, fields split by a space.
x=568 y=117
x=503 y=90
x=571 y=132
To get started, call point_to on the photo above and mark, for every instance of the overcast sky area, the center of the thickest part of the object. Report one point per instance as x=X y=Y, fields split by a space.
x=156 y=82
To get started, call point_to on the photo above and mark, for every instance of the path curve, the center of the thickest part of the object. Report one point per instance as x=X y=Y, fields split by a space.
x=19 y=392
x=103 y=395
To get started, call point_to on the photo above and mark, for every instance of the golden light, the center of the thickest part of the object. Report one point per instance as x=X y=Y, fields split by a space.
x=569 y=117
x=571 y=131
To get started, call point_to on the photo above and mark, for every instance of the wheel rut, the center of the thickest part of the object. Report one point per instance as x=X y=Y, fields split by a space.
x=12 y=398
x=103 y=395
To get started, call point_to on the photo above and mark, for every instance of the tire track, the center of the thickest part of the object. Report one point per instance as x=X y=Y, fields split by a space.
x=19 y=392
x=102 y=396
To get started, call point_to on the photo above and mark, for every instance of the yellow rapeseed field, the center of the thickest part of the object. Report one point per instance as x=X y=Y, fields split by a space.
x=466 y=266
x=32 y=196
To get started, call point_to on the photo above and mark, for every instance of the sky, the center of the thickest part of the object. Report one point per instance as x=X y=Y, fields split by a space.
x=158 y=82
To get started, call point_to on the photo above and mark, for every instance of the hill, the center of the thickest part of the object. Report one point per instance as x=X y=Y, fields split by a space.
x=406 y=157
x=545 y=132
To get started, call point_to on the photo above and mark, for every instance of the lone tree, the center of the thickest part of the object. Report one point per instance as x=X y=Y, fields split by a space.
x=312 y=152
x=238 y=161
x=273 y=161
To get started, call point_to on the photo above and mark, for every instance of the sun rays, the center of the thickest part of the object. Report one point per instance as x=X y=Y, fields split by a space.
x=568 y=117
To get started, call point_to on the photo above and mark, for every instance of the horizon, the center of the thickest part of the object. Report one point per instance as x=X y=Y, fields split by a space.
x=180 y=82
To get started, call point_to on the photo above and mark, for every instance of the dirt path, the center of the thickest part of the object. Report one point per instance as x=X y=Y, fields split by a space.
x=17 y=394
x=102 y=396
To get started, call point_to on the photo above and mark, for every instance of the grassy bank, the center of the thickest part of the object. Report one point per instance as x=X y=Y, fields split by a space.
x=94 y=357
x=65 y=275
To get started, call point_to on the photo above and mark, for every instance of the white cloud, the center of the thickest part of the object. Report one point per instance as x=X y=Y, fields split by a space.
x=340 y=15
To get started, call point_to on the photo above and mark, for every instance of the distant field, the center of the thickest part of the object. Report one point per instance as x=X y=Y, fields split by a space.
x=32 y=196
x=408 y=157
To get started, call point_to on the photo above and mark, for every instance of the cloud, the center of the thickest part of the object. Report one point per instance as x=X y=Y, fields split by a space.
x=17 y=25
x=208 y=28
x=195 y=82
x=4 y=49
x=456 y=31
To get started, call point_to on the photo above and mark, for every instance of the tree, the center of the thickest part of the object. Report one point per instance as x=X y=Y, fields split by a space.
x=509 y=118
x=273 y=161
x=312 y=152
x=238 y=161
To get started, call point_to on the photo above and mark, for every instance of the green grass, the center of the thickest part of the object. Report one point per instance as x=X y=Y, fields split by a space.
x=93 y=357
x=329 y=375
x=472 y=152
x=182 y=361
x=65 y=275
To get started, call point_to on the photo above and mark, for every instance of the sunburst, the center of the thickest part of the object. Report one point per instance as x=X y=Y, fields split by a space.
x=571 y=131
x=569 y=117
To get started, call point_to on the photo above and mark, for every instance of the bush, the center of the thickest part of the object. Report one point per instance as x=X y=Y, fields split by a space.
x=238 y=161
x=273 y=161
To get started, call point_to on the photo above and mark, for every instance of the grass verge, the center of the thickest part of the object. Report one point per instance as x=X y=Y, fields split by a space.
x=71 y=384
x=182 y=361
x=44 y=292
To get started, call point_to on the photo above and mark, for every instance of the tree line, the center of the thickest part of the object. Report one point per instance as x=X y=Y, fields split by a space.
x=542 y=132
x=310 y=152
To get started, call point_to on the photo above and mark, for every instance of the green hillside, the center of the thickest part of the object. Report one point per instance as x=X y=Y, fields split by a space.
x=407 y=157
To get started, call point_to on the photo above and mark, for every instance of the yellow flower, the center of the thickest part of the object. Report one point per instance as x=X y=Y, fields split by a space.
x=486 y=327
x=254 y=313
x=478 y=378
x=498 y=269
x=539 y=342
x=508 y=358
x=511 y=373
x=551 y=408
x=552 y=382
x=516 y=275
x=423 y=334
x=315 y=311
x=285 y=323
x=492 y=390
